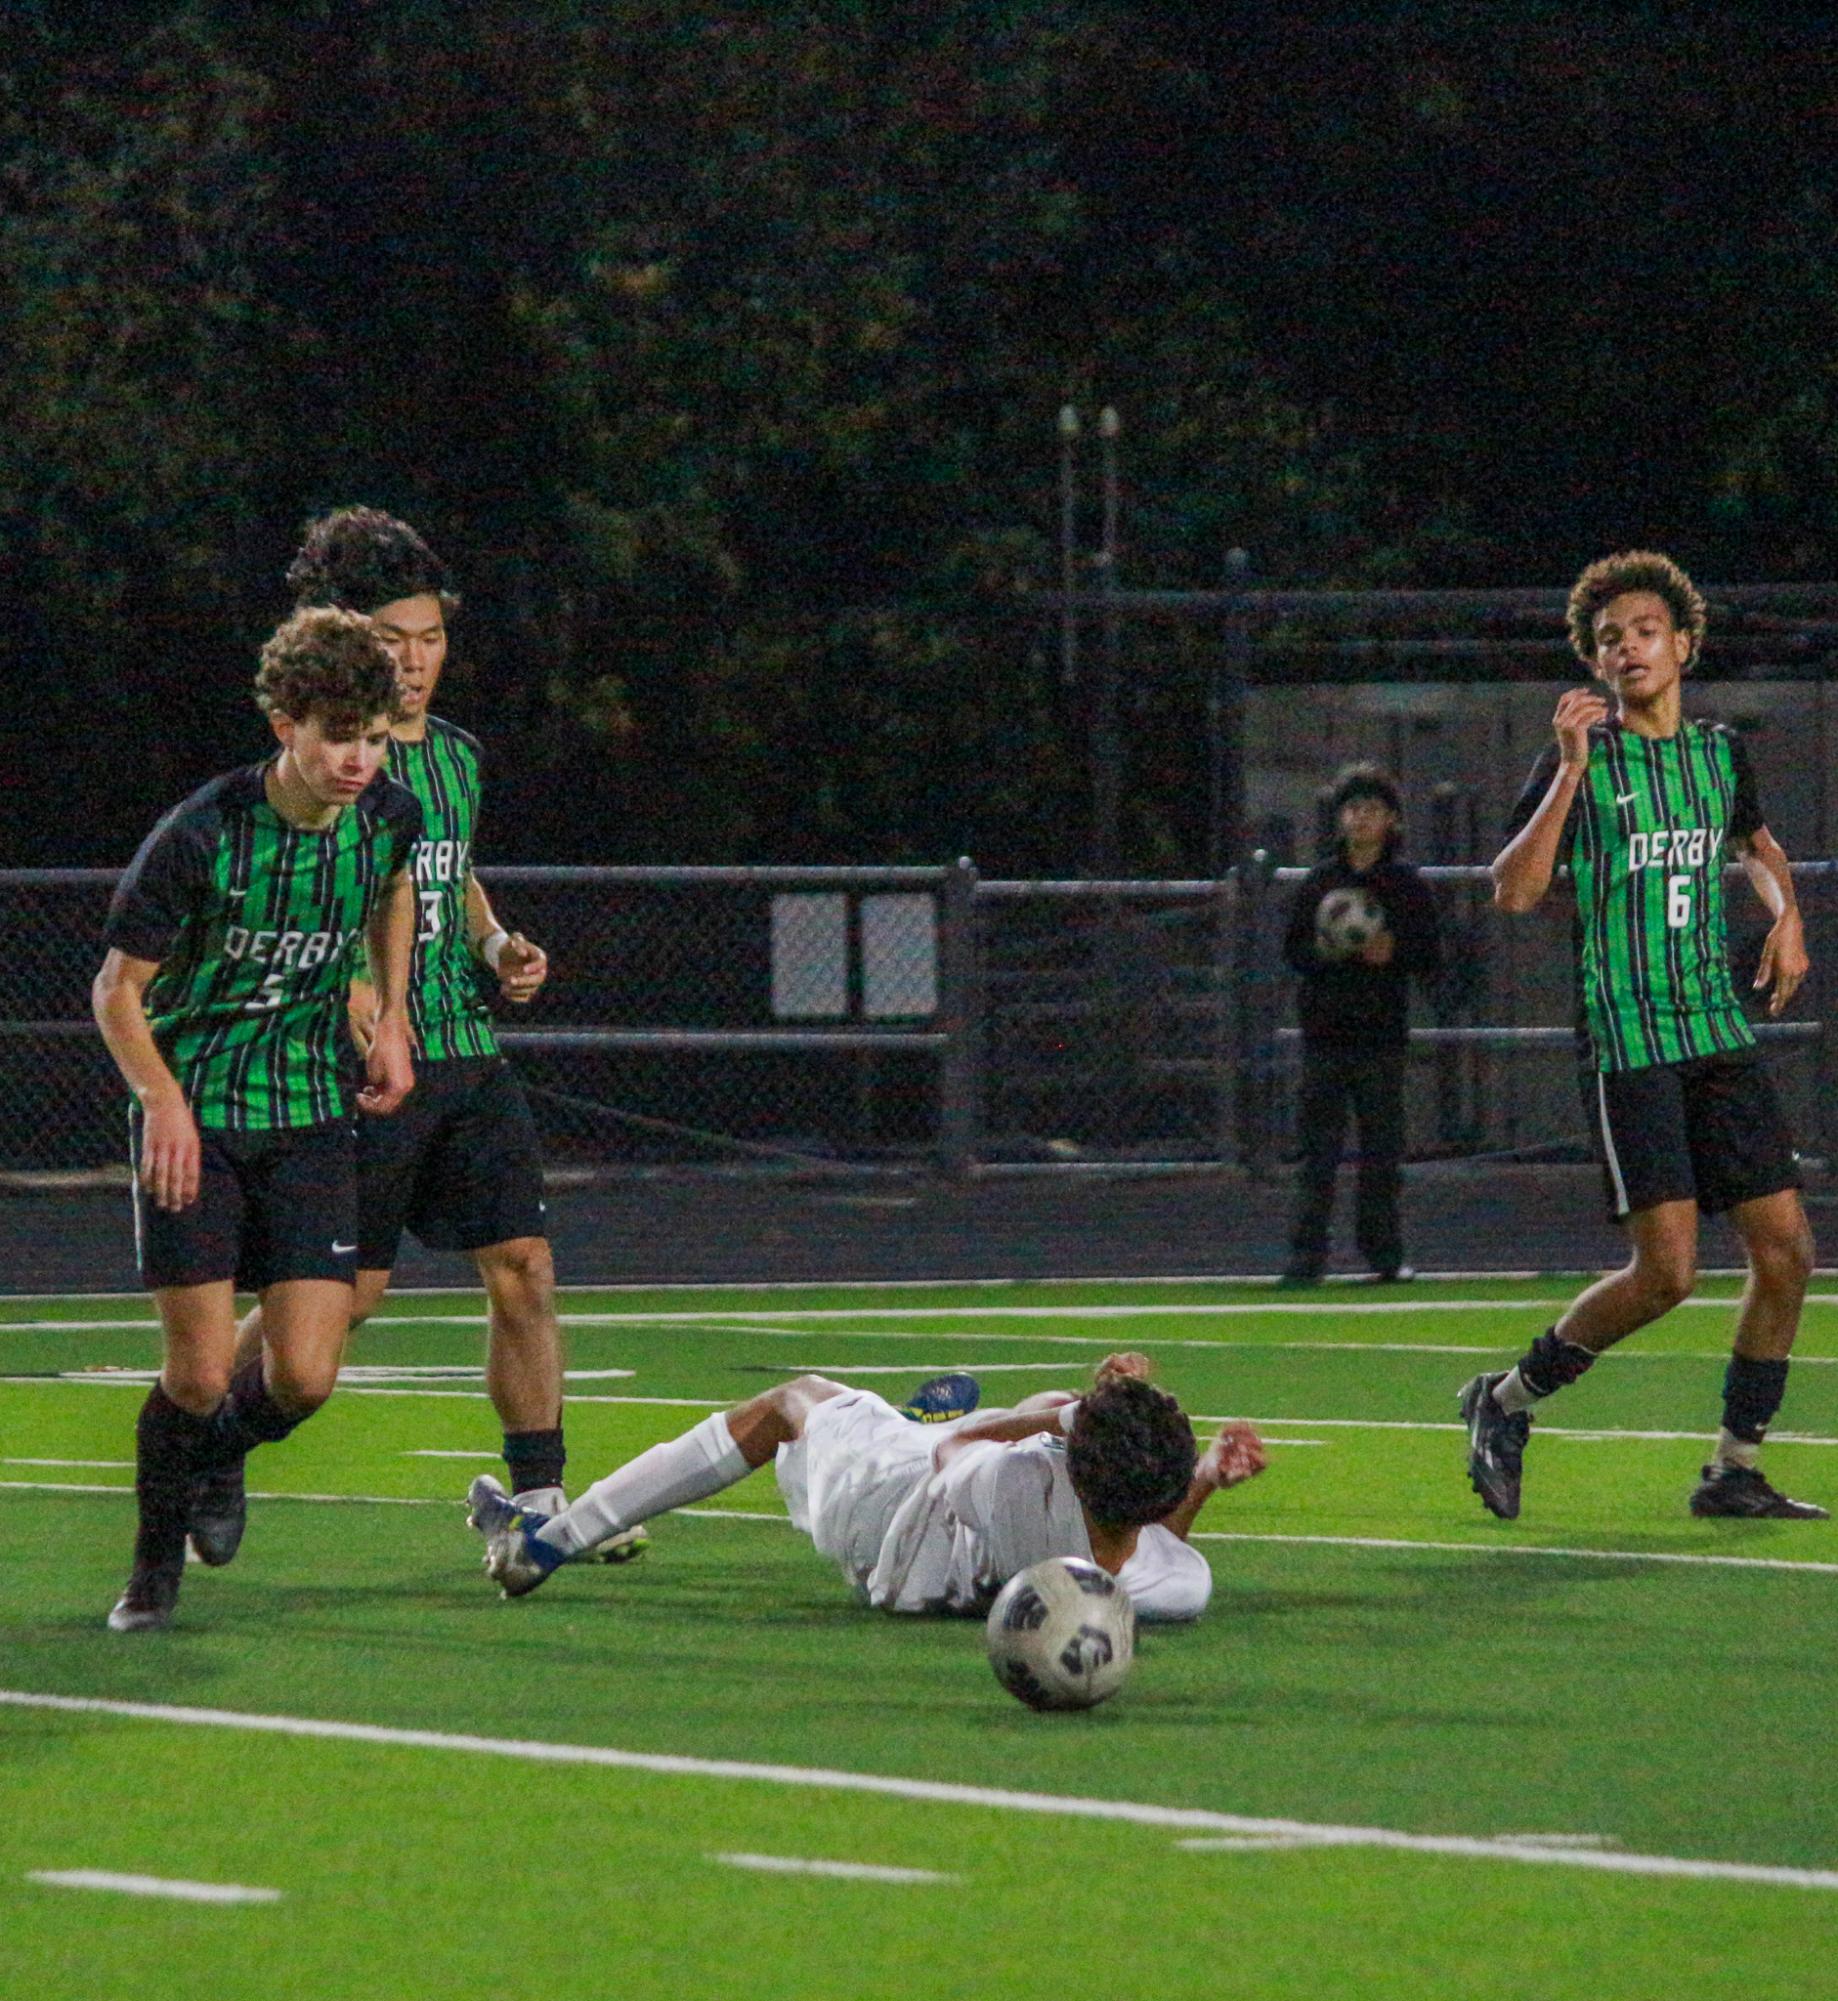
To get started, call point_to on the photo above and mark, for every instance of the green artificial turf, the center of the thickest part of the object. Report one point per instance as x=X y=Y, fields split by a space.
x=1484 y=1680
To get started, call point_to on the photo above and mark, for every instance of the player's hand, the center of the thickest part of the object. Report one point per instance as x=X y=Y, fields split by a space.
x=1783 y=960
x=1129 y=1363
x=361 y=1014
x=1378 y=950
x=1578 y=712
x=522 y=968
x=170 y=1152
x=1235 y=1456
x=389 y=1069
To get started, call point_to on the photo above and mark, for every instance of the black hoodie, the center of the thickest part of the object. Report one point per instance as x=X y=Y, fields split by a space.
x=1346 y=1001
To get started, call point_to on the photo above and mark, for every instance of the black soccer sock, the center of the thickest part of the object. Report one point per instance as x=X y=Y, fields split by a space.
x=1550 y=1364
x=249 y=1416
x=168 y=1442
x=534 y=1458
x=1752 y=1393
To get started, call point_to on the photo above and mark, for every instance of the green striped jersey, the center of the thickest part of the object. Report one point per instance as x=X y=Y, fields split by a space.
x=1647 y=841
x=447 y=996
x=252 y=922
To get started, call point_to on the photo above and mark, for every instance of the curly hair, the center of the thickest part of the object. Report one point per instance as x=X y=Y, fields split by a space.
x=362 y=558
x=1131 y=1453
x=1633 y=570
x=328 y=663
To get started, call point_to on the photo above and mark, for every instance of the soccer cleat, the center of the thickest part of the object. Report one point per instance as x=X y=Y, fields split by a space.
x=627 y=1546
x=1398 y=1274
x=146 y=1605
x=219 y=1513
x=514 y=1558
x=1496 y=1446
x=1742 y=1491
x=943 y=1398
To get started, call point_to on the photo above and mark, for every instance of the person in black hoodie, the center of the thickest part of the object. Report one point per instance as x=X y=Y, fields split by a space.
x=1354 y=1004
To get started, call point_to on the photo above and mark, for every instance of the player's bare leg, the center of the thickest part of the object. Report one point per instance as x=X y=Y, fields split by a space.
x=708 y=1458
x=1660 y=1273
x=288 y=1355
x=1779 y=1246
x=367 y=1296
x=1497 y=1407
x=523 y=1366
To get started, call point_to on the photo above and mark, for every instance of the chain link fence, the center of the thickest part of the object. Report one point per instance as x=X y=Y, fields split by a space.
x=854 y=1021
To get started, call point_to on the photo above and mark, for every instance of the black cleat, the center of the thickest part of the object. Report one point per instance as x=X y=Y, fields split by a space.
x=219 y=1513
x=1742 y=1491
x=146 y=1605
x=1300 y=1272
x=1496 y=1446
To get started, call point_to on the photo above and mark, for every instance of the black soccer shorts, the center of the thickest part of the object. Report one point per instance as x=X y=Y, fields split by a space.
x=1709 y=1131
x=459 y=1164
x=271 y=1206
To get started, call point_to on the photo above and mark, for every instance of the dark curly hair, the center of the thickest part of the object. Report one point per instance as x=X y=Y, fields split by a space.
x=1633 y=570
x=1131 y=1453
x=362 y=558
x=328 y=663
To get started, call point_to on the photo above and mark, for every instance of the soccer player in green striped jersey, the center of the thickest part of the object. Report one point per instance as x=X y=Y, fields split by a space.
x=1645 y=807
x=220 y=999
x=461 y=1167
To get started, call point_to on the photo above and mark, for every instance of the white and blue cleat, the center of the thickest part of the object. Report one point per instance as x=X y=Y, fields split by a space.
x=515 y=1558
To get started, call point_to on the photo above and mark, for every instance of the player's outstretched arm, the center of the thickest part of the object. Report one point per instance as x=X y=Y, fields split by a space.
x=169 y=1157
x=1236 y=1455
x=1784 y=962
x=389 y=936
x=520 y=966
x=1522 y=870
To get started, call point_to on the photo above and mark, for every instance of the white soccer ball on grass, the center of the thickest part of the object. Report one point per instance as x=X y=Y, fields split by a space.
x=1062 y=1634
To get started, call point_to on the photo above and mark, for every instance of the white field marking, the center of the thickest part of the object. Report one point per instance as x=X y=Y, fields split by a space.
x=966 y=1284
x=1196 y=1535
x=428 y=1452
x=858 y=1872
x=115 y=1464
x=390 y=1372
x=367 y=1500
x=1577 y=1434
x=139 y=1379
x=153 y=1886
x=771 y=1320
x=1526 y=1549
x=1558 y=1840
x=1194 y=1820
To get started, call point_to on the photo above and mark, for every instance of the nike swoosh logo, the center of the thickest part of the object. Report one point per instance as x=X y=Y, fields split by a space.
x=339 y=1250
x=1626 y=798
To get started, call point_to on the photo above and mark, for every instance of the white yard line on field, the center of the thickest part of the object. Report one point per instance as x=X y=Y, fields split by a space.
x=816 y=1778
x=153 y=1886
x=1807 y=1566
x=856 y=1872
x=1577 y=1434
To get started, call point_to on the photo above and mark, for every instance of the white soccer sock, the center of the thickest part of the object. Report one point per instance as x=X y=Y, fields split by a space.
x=690 y=1468
x=1512 y=1394
x=1734 y=1451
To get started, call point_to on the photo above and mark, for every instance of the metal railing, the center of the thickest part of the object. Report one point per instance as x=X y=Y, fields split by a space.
x=844 y=1020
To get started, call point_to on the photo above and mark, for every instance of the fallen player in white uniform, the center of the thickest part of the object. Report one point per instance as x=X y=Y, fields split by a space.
x=930 y=1517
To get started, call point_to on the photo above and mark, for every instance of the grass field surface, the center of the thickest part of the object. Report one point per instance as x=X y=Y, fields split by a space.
x=1410 y=1751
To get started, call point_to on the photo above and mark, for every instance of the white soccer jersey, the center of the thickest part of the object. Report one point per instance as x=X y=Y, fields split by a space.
x=862 y=1484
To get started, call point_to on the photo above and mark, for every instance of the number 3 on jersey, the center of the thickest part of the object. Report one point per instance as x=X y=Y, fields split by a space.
x=430 y=914
x=1678 y=902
